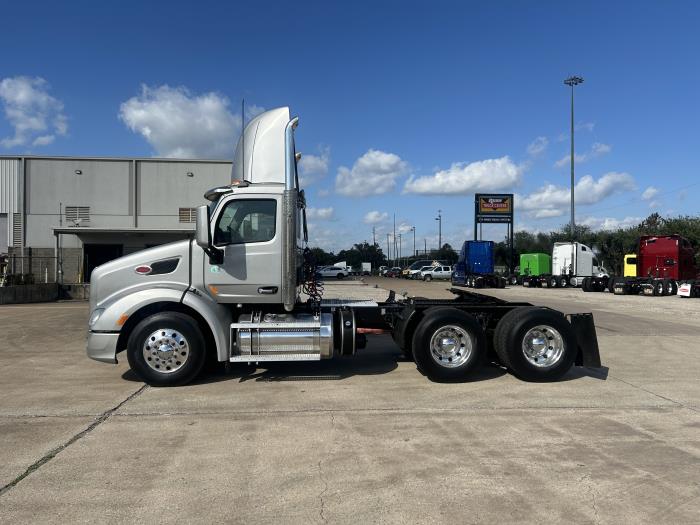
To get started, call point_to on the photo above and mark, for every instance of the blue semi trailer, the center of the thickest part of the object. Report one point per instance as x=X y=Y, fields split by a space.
x=475 y=266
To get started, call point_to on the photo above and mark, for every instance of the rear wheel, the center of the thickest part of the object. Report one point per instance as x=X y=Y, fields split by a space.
x=670 y=286
x=536 y=344
x=166 y=349
x=513 y=280
x=448 y=344
x=563 y=282
x=553 y=282
x=659 y=287
x=586 y=284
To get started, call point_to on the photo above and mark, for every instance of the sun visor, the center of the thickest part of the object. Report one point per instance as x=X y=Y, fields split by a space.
x=263 y=142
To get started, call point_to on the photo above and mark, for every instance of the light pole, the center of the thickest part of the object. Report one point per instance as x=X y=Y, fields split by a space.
x=399 y=249
x=439 y=219
x=571 y=82
x=413 y=229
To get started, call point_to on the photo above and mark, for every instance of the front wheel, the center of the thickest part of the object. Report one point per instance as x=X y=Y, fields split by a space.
x=536 y=344
x=428 y=278
x=166 y=349
x=339 y=276
x=448 y=345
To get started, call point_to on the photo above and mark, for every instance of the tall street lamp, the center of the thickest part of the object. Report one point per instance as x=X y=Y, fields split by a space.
x=413 y=229
x=439 y=219
x=571 y=82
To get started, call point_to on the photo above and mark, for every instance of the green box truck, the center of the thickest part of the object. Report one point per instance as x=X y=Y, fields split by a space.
x=532 y=265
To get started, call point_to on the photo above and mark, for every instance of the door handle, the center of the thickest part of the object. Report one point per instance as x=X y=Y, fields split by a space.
x=267 y=290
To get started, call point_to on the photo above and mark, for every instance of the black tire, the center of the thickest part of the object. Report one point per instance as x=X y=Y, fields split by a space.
x=180 y=324
x=339 y=276
x=586 y=284
x=670 y=287
x=553 y=282
x=513 y=280
x=512 y=329
x=563 y=282
x=659 y=288
x=428 y=278
x=428 y=361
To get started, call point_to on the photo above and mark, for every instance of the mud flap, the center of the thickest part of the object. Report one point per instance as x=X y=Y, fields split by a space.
x=584 y=328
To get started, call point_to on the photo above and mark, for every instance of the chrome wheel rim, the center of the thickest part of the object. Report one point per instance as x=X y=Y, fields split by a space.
x=166 y=350
x=451 y=346
x=543 y=346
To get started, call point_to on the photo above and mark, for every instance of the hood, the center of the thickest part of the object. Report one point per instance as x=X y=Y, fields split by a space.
x=169 y=263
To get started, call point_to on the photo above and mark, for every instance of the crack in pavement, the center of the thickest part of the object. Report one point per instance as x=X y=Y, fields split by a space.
x=654 y=394
x=55 y=451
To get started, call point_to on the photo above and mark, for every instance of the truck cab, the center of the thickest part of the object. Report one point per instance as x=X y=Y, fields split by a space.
x=576 y=261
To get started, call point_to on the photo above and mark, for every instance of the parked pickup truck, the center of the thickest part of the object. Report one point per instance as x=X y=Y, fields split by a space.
x=436 y=272
x=233 y=293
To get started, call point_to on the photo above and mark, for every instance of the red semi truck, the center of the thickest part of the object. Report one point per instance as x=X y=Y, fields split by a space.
x=663 y=262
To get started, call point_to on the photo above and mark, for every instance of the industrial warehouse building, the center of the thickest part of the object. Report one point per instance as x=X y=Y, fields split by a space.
x=60 y=217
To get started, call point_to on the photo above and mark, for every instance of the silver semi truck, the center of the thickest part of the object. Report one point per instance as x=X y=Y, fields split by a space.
x=234 y=292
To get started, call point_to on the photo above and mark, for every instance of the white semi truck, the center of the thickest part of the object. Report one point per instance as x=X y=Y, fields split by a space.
x=572 y=262
x=234 y=291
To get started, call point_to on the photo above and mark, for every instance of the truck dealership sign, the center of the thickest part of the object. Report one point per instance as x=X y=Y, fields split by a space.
x=496 y=207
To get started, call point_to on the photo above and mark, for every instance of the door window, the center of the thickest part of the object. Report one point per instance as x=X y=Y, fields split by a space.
x=246 y=221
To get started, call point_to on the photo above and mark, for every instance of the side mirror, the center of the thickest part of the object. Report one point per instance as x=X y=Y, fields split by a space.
x=203 y=236
x=202 y=230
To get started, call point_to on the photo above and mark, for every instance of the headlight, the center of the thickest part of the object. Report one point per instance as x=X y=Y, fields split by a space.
x=95 y=316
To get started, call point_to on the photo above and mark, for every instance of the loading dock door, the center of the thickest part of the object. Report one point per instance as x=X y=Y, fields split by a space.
x=96 y=254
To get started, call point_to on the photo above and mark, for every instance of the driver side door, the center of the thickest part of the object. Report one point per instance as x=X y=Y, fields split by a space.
x=247 y=228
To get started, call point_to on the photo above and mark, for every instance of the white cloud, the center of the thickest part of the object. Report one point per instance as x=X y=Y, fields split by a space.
x=374 y=173
x=36 y=116
x=323 y=192
x=404 y=227
x=462 y=178
x=178 y=123
x=314 y=167
x=597 y=149
x=375 y=217
x=649 y=193
x=610 y=223
x=538 y=146
x=551 y=200
x=323 y=214
x=588 y=126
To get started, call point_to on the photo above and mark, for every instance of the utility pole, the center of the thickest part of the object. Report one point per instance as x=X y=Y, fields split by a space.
x=394 y=237
x=425 y=246
x=388 y=250
x=413 y=229
x=439 y=219
x=399 y=249
x=374 y=235
x=572 y=81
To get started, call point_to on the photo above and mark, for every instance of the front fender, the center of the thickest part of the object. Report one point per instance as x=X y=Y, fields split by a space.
x=217 y=317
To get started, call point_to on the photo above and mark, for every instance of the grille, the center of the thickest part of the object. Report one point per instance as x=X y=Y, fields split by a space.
x=187 y=214
x=78 y=215
x=16 y=230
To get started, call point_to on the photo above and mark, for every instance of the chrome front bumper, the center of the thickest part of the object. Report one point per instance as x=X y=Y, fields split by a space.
x=102 y=346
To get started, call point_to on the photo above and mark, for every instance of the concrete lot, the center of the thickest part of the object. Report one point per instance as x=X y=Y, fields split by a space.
x=361 y=440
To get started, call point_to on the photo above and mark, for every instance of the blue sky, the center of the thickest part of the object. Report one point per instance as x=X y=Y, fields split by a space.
x=406 y=107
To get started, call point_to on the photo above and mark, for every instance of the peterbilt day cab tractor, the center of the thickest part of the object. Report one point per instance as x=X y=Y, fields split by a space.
x=662 y=264
x=234 y=292
x=572 y=262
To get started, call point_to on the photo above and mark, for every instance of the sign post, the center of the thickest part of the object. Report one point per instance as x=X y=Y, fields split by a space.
x=495 y=208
